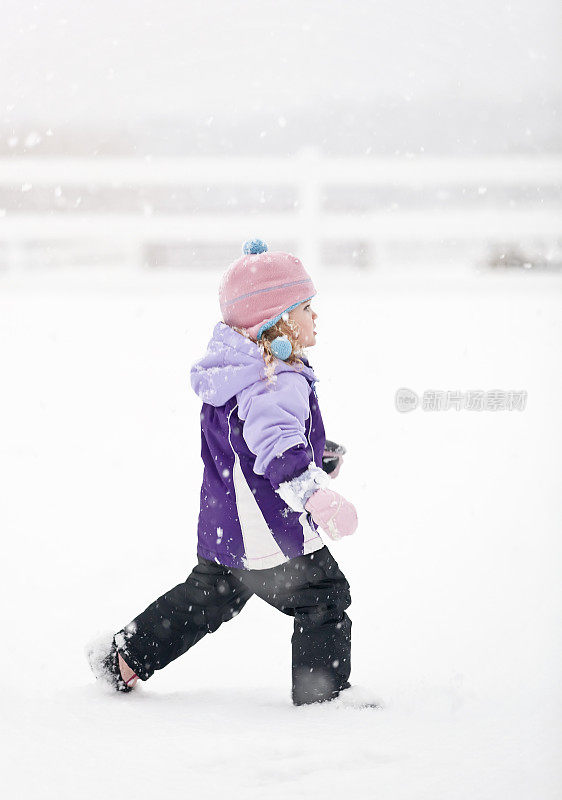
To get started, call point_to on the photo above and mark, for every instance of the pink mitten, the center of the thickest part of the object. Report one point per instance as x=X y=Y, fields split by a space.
x=333 y=513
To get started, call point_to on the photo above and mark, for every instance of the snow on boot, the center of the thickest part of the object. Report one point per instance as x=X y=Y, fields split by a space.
x=104 y=659
x=357 y=697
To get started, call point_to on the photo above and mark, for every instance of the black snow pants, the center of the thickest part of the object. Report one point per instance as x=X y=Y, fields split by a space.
x=310 y=588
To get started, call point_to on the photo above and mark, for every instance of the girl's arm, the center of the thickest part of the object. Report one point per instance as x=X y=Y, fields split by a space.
x=274 y=418
x=274 y=429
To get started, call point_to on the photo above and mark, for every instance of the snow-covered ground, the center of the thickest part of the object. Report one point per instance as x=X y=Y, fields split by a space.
x=455 y=570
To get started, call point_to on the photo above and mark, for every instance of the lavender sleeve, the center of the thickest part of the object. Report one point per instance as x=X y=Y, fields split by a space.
x=274 y=425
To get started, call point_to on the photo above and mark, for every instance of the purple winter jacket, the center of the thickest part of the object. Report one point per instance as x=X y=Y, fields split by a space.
x=255 y=438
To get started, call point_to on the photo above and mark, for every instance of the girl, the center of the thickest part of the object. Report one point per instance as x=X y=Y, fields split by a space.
x=265 y=492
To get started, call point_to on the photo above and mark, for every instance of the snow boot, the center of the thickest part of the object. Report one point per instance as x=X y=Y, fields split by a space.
x=103 y=657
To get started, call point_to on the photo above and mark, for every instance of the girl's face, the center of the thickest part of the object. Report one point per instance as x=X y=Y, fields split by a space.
x=305 y=318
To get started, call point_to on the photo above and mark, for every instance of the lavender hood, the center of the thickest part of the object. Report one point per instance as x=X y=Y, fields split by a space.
x=231 y=364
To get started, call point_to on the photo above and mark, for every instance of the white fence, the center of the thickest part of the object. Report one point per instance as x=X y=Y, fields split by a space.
x=309 y=224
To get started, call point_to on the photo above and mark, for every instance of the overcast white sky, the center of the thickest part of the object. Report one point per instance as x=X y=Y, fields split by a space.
x=64 y=60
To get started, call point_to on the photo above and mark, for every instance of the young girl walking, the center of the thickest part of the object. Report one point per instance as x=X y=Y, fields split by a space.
x=265 y=497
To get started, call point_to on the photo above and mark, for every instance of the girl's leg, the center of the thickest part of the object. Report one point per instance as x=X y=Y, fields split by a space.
x=314 y=591
x=176 y=621
x=129 y=675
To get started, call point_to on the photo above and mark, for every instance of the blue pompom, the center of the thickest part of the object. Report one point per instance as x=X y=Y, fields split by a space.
x=281 y=347
x=254 y=246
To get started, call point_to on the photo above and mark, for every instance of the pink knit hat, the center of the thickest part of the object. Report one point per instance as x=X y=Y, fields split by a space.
x=258 y=288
